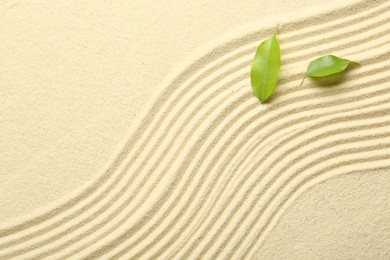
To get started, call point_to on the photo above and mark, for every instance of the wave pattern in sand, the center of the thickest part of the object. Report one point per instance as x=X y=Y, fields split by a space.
x=209 y=170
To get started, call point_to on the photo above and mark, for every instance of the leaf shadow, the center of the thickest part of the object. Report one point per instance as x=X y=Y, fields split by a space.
x=270 y=99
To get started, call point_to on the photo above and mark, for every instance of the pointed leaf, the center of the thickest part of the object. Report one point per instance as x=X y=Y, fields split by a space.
x=326 y=66
x=265 y=68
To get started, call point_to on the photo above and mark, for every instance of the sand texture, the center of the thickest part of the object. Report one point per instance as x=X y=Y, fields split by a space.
x=207 y=172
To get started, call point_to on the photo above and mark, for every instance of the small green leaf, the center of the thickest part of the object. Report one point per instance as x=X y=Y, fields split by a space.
x=265 y=68
x=326 y=66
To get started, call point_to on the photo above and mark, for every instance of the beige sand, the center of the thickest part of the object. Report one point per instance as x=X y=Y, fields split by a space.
x=205 y=171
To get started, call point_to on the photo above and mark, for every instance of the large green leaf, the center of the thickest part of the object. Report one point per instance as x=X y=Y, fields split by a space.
x=265 y=68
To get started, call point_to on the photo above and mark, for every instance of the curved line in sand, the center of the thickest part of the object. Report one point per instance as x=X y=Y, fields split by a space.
x=260 y=127
x=221 y=95
x=316 y=31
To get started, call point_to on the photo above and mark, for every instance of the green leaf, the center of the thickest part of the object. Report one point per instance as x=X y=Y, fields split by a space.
x=326 y=66
x=265 y=68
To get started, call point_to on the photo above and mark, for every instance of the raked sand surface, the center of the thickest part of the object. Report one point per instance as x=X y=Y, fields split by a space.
x=129 y=131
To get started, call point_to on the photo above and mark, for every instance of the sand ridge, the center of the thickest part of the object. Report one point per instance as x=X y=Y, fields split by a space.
x=209 y=170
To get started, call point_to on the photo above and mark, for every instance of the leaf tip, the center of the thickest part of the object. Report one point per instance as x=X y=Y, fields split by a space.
x=262 y=100
x=277 y=29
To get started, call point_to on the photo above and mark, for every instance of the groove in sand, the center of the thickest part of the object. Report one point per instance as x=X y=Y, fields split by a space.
x=220 y=170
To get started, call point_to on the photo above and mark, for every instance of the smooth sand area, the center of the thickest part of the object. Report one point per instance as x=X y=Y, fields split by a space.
x=129 y=131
